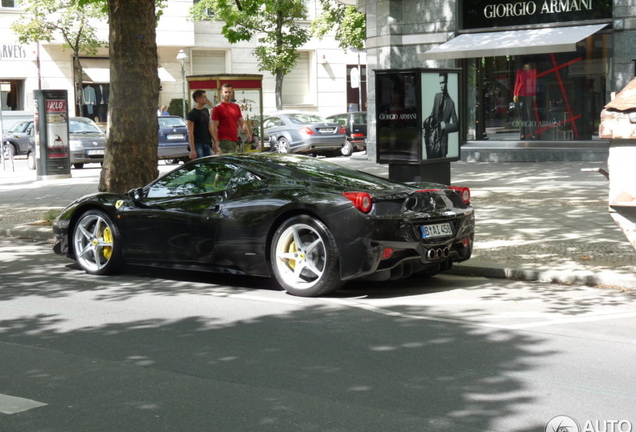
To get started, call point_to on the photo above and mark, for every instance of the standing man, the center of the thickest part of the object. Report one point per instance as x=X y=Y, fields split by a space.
x=226 y=120
x=200 y=128
x=441 y=122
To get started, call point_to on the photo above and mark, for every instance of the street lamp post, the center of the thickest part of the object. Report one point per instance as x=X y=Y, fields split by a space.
x=182 y=57
x=358 y=51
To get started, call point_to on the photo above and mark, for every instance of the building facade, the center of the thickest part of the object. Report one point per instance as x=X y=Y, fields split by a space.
x=319 y=83
x=534 y=70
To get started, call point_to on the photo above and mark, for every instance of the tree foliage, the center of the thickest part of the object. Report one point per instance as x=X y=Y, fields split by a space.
x=350 y=25
x=274 y=23
x=48 y=20
x=45 y=20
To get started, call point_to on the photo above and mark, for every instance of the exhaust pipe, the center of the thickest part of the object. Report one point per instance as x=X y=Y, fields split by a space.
x=439 y=253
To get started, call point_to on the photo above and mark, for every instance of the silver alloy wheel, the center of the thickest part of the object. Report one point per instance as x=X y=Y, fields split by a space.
x=7 y=150
x=93 y=242
x=300 y=256
x=347 y=149
x=283 y=146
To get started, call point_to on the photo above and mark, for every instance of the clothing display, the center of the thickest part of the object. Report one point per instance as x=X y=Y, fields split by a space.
x=96 y=102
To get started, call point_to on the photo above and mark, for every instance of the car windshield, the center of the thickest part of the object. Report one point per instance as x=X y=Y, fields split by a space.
x=18 y=127
x=203 y=177
x=170 y=122
x=305 y=118
x=76 y=126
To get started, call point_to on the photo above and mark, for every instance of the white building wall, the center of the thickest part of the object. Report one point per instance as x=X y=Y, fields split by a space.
x=321 y=76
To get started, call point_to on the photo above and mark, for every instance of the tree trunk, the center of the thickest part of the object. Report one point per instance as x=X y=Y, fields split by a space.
x=79 y=86
x=131 y=149
x=279 y=89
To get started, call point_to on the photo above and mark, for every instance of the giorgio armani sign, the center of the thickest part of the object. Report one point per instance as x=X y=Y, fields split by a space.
x=493 y=13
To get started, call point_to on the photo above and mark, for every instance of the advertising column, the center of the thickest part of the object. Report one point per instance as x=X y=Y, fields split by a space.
x=417 y=124
x=51 y=134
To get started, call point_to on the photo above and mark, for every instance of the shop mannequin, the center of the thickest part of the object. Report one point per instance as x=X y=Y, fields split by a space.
x=525 y=96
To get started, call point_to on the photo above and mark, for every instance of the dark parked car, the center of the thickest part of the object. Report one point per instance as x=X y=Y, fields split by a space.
x=309 y=223
x=355 y=124
x=173 y=139
x=18 y=136
x=303 y=133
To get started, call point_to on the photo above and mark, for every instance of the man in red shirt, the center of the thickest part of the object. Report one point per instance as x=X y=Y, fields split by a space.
x=226 y=120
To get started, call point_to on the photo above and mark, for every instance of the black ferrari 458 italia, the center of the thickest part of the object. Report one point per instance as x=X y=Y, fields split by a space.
x=311 y=224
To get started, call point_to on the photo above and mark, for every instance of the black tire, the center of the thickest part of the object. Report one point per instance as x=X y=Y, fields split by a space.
x=31 y=160
x=312 y=269
x=283 y=145
x=347 y=149
x=97 y=243
x=78 y=165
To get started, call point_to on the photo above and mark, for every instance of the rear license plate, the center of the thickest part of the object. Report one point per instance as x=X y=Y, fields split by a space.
x=327 y=130
x=438 y=230
x=176 y=137
x=95 y=152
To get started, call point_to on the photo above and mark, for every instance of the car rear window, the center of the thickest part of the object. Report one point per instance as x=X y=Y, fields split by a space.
x=360 y=118
x=305 y=118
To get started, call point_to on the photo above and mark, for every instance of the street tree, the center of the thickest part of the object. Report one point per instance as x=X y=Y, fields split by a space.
x=130 y=159
x=274 y=23
x=48 y=20
x=349 y=25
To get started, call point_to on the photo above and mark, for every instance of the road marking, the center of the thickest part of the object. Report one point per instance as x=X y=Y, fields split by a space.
x=265 y=299
x=579 y=319
x=556 y=321
x=388 y=312
x=13 y=404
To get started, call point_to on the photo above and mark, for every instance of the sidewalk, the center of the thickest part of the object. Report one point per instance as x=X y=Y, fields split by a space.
x=534 y=221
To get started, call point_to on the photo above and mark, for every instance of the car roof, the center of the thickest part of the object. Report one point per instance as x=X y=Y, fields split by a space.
x=348 y=112
x=287 y=113
x=299 y=167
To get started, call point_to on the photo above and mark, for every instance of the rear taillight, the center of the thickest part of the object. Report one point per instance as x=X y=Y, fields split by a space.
x=361 y=200
x=357 y=135
x=387 y=253
x=342 y=130
x=464 y=192
x=306 y=130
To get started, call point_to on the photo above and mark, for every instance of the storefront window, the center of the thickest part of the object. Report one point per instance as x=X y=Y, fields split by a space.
x=548 y=97
x=11 y=93
x=10 y=3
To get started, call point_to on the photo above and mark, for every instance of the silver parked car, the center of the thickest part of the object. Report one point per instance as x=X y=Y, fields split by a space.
x=87 y=141
x=303 y=133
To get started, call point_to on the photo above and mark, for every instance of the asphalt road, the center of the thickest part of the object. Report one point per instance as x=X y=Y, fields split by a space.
x=177 y=351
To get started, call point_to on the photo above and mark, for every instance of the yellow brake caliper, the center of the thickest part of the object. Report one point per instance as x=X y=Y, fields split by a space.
x=292 y=249
x=108 y=238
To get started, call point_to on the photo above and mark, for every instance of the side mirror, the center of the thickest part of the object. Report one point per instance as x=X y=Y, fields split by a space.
x=136 y=194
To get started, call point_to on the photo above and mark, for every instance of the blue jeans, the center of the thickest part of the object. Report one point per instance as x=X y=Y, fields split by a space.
x=203 y=150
